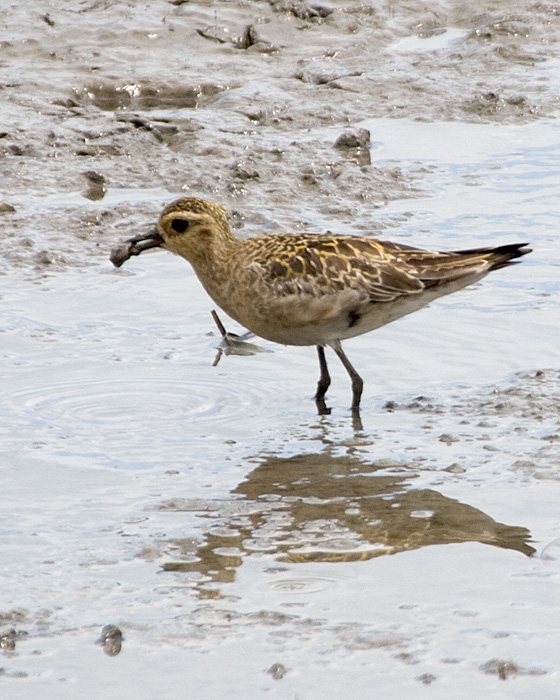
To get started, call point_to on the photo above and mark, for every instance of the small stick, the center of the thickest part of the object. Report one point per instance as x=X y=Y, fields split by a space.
x=220 y=325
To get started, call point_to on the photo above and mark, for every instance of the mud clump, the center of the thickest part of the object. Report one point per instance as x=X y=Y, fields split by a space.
x=492 y=105
x=354 y=139
x=508 y=669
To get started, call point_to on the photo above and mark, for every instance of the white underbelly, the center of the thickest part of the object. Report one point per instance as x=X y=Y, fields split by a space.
x=318 y=323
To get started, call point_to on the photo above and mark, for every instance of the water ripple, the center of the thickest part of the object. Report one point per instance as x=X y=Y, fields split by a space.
x=153 y=401
x=305 y=584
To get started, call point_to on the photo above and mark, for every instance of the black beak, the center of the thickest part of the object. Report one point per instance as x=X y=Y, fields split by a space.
x=134 y=246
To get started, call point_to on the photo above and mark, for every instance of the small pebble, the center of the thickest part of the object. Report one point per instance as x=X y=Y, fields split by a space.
x=277 y=671
x=111 y=640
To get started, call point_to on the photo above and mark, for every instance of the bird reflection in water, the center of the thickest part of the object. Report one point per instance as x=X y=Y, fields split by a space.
x=325 y=508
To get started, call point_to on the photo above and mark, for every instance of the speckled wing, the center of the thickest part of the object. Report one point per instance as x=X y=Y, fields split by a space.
x=308 y=290
x=333 y=265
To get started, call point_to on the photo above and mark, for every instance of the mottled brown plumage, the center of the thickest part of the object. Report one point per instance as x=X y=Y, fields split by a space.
x=306 y=289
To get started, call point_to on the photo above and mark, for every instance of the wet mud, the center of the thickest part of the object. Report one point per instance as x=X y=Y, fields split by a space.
x=166 y=524
x=171 y=97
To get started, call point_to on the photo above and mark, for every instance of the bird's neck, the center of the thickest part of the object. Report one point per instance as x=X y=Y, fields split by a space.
x=215 y=260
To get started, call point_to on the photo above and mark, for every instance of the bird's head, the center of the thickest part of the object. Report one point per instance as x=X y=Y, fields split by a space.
x=190 y=227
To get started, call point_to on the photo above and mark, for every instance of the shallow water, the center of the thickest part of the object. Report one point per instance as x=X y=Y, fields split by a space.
x=225 y=528
x=243 y=544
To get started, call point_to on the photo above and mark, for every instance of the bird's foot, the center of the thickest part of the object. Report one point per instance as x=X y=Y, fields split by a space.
x=322 y=408
x=356 y=419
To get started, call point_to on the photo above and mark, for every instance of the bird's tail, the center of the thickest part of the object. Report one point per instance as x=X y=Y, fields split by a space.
x=498 y=256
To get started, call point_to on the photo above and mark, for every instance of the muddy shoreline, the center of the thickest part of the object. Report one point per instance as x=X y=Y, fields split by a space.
x=187 y=99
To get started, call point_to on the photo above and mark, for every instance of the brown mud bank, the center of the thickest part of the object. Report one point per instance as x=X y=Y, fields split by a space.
x=227 y=100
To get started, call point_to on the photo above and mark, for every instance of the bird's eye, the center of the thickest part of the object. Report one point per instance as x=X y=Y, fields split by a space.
x=179 y=225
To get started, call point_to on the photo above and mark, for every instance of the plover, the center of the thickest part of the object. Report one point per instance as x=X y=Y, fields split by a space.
x=311 y=289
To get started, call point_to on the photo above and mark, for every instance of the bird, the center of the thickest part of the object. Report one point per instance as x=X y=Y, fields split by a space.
x=312 y=289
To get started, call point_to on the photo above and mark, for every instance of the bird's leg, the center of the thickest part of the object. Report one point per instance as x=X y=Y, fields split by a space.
x=357 y=381
x=323 y=383
x=325 y=379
